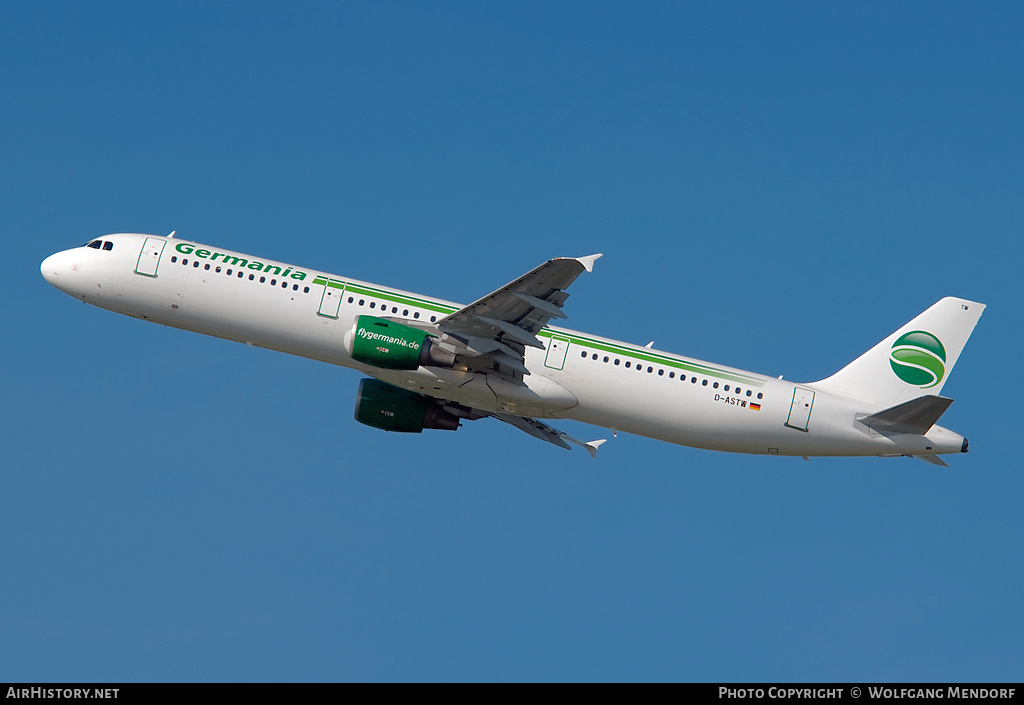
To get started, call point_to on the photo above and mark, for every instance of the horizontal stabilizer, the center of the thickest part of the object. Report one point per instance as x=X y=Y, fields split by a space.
x=916 y=416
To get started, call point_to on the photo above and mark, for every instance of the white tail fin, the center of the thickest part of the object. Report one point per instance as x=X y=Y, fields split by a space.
x=914 y=361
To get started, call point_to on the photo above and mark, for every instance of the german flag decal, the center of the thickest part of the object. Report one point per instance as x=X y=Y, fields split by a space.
x=755 y=407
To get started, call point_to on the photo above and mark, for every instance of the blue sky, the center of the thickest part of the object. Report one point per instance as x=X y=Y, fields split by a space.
x=775 y=187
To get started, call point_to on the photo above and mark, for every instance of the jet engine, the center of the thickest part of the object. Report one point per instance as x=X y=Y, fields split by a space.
x=392 y=409
x=394 y=346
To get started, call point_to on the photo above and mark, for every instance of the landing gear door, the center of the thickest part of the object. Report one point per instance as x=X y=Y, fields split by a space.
x=149 y=258
x=800 y=411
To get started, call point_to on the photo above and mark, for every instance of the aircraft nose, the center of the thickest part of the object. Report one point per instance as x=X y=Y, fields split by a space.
x=50 y=269
x=58 y=269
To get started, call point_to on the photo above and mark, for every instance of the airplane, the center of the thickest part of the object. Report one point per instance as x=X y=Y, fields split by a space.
x=434 y=364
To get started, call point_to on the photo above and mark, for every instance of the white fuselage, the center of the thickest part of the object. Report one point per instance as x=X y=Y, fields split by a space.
x=587 y=378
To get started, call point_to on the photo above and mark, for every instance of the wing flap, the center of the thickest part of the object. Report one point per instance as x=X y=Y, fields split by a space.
x=546 y=307
x=511 y=330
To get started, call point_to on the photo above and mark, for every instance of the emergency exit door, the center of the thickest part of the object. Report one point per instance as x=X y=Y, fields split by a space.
x=330 y=303
x=557 y=349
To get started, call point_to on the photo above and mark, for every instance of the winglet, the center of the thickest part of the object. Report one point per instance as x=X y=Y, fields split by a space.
x=592 y=447
x=588 y=261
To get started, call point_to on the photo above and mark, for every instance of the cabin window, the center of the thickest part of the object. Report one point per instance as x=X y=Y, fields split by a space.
x=650 y=369
x=350 y=299
x=207 y=267
x=715 y=385
x=433 y=318
x=195 y=264
x=394 y=309
x=616 y=361
x=174 y=259
x=241 y=274
x=627 y=363
x=416 y=314
x=184 y=262
x=595 y=356
x=671 y=375
x=661 y=373
x=218 y=269
x=284 y=285
x=273 y=282
x=305 y=289
x=748 y=392
x=759 y=395
x=362 y=301
x=295 y=287
x=727 y=387
x=373 y=304
x=252 y=277
x=704 y=383
x=405 y=312
x=583 y=354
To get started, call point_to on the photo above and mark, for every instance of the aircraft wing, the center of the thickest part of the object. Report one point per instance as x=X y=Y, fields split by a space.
x=539 y=429
x=502 y=324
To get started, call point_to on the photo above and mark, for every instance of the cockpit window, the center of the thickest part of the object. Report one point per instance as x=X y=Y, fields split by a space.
x=95 y=244
x=108 y=246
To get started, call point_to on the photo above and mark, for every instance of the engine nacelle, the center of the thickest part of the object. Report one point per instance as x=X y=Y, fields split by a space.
x=394 y=346
x=392 y=409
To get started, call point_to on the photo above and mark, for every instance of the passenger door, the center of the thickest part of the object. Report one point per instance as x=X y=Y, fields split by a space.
x=149 y=258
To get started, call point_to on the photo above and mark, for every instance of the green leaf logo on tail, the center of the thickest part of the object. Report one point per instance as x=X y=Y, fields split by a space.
x=918 y=358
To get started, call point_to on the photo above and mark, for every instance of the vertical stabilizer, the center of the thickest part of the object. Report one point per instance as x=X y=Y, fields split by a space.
x=914 y=361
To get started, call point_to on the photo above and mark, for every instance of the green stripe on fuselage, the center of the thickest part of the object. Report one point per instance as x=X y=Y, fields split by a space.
x=655 y=358
x=630 y=353
x=401 y=299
